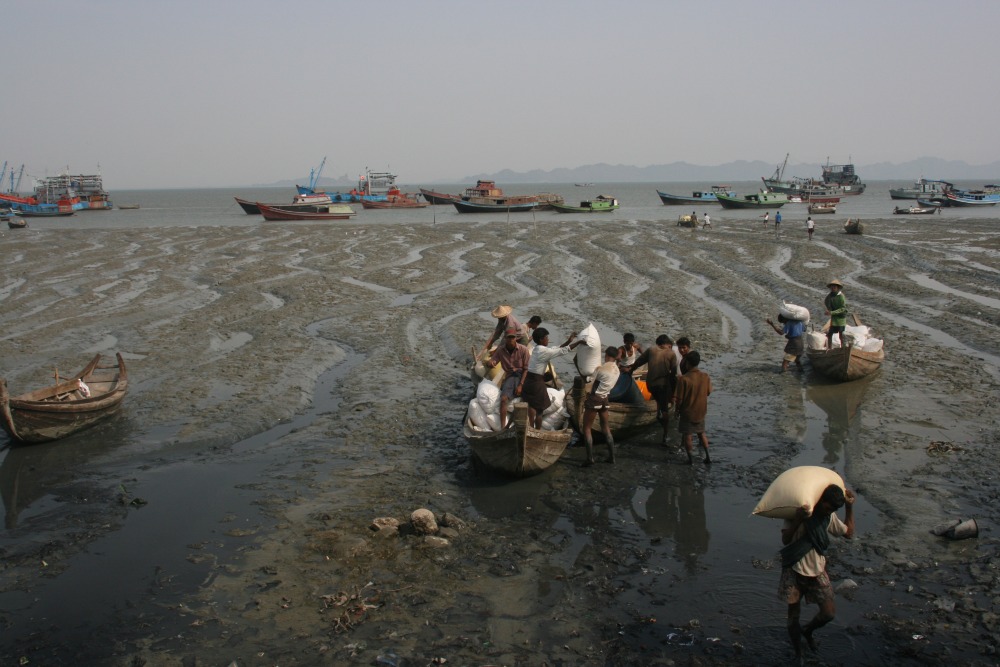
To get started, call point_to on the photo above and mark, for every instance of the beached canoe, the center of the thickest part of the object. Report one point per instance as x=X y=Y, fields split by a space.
x=623 y=418
x=520 y=450
x=845 y=364
x=68 y=406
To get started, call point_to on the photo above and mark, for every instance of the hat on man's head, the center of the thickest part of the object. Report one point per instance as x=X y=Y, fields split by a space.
x=512 y=332
x=502 y=311
x=835 y=282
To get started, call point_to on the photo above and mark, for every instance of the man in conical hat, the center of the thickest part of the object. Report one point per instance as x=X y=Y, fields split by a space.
x=836 y=308
x=506 y=320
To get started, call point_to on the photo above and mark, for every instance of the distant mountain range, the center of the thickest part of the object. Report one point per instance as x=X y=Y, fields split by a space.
x=740 y=170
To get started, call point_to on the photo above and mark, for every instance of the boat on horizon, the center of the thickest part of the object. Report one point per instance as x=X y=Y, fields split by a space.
x=756 y=200
x=710 y=196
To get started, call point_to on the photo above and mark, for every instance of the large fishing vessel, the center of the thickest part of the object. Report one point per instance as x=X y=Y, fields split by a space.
x=53 y=196
x=838 y=180
x=372 y=186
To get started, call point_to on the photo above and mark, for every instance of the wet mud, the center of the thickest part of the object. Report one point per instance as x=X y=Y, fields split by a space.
x=289 y=384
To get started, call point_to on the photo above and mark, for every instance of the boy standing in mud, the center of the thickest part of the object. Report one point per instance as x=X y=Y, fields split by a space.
x=691 y=397
x=803 y=562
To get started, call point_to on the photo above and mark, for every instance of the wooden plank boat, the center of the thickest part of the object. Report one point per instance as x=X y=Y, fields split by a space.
x=500 y=205
x=623 y=418
x=601 y=203
x=331 y=212
x=845 y=364
x=972 y=198
x=65 y=407
x=697 y=196
x=520 y=450
x=437 y=198
x=17 y=223
x=817 y=208
x=854 y=226
x=756 y=200
x=127 y=207
x=395 y=200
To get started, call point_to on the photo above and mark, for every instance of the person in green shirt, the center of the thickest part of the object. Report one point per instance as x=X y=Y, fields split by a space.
x=836 y=308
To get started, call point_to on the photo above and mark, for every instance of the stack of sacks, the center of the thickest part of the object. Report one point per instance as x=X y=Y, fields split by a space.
x=859 y=337
x=589 y=355
x=484 y=409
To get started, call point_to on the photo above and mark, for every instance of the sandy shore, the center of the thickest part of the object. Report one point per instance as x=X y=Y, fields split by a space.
x=292 y=383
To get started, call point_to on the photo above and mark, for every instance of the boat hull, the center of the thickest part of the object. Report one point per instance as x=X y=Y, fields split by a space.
x=333 y=212
x=819 y=209
x=57 y=411
x=518 y=451
x=972 y=199
x=437 y=198
x=395 y=203
x=472 y=207
x=624 y=419
x=845 y=364
x=762 y=200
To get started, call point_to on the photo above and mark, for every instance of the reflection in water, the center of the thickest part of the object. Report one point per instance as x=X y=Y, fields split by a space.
x=678 y=513
x=842 y=404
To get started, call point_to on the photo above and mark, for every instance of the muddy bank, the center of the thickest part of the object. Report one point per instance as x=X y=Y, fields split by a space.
x=291 y=383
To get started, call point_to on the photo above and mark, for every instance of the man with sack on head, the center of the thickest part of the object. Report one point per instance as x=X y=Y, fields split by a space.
x=803 y=561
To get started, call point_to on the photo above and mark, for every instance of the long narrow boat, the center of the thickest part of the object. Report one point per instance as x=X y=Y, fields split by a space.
x=845 y=364
x=756 y=200
x=438 y=198
x=916 y=210
x=520 y=450
x=501 y=205
x=599 y=204
x=332 y=212
x=697 y=196
x=824 y=207
x=623 y=418
x=68 y=406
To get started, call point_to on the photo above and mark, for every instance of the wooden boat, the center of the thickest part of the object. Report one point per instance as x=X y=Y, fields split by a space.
x=17 y=223
x=844 y=364
x=65 y=407
x=696 y=197
x=756 y=200
x=916 y=210
x=601 y=203
x=922 y=189
x=687 y=220
x=972 y=198
x=932 y=203
x=332 y=212
x=395 y=199
x=623 y=418
x=515 y=204
x=520 y=450
x=127 y=207
x=816 y=209
x=547 y=200
x=437 y=198
x=854 y=226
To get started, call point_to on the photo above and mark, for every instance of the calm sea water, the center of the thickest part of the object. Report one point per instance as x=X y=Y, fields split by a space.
x=639 y=201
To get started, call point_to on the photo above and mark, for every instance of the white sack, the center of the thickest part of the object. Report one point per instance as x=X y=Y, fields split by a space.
x=488 y=395
x=795 y=488
x=589 y=355
x=790 y=311
x=477 y=416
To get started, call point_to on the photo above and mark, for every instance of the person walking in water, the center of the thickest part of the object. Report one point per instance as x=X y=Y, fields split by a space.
x=707 y=221
x=836 y=307
x=806 y=539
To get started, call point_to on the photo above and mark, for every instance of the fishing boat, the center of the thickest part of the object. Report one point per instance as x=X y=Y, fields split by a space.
x=511 y=205
x=332 y=212
x=837 y=180
x=623 y=418
x=548 y=200
x=931 y=203
x=127 y=207
x=67 y=406
x=12 y=218
x=32 y=207
x=437 y=198
x=710 y=196
x=756 y=200
x=854 y=226
x=972 y=198
x=922 y=189
x=395 y=199
x=844 y=177
x=822 y=207
x=90 y=189
x=847 y=363
x=372 y=186
x=600 y=203
x=916 y=210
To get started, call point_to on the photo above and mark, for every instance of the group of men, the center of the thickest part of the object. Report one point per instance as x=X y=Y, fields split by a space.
x=681 y=383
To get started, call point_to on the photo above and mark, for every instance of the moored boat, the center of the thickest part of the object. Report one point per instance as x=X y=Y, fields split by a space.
x=437 y=198
x=331 y=212
x=837 y=180
x=850 y=362
x=710 y=196
x=486 y=197
x=520 y=450
x=922 y=189
x=600 y=203
x=916 y=210
x=822 y=207
x=372 y=186
x=972 y=198
x=395 y=199
x=756 y=200
x=854 y=226
x=623 y=418
x=67 y=406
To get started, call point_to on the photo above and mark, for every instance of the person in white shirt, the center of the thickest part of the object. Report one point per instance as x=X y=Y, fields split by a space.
x=533 y=389
x=597 y=403
x=708 y=221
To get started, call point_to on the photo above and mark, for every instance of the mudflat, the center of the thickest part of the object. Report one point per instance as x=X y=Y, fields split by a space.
x=290 y=384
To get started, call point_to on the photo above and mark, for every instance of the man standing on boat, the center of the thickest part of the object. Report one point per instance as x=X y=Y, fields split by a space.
x=836 y=308
x=506 y=320
x=597 y=404
x=803 y=561
x=513 y=358
x=661 y=377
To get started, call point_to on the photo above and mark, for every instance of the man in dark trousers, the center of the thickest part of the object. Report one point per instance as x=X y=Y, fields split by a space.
x=803 y=561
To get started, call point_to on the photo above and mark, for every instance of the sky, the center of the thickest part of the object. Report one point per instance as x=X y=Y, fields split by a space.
x=218 y=93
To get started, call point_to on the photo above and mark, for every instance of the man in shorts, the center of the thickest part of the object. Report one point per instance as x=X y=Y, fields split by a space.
x=792 y=330
x=513 y=358
x=661 y=376
x=691 y=397
x=803 y=561
x=597 y=404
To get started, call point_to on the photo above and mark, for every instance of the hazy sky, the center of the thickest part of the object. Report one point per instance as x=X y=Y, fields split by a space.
x=218 y=93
